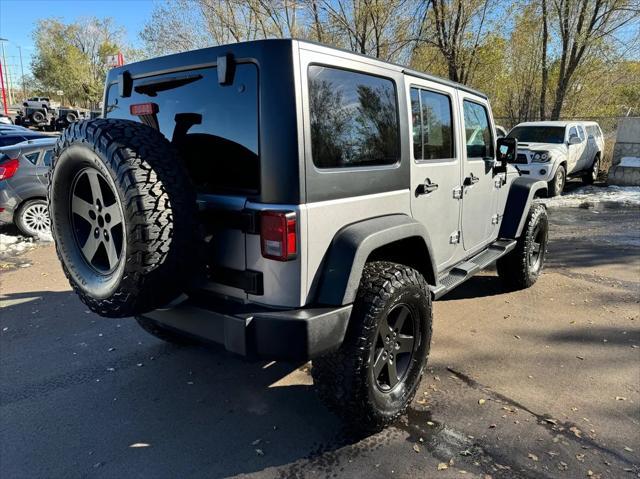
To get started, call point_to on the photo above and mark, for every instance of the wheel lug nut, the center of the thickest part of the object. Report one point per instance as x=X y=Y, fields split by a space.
x=96 y=232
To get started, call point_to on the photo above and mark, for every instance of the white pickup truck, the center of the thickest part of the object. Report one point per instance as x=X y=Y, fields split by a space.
x=554 y=150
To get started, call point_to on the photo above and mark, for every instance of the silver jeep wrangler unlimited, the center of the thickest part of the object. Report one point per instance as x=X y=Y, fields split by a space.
x=292 y=201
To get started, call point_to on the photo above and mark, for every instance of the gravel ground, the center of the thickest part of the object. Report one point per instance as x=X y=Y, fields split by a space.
x=537 y=383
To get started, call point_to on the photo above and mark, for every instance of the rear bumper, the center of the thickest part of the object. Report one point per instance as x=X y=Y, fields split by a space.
x=255 y=332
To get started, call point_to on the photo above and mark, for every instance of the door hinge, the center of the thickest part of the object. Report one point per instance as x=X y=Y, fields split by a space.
x=454 y=237
x=457 y=192
x=495 y=219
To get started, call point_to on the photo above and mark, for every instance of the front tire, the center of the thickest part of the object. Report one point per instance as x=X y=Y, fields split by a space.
x=521 y=268
x=372 y=378
x=556 y=185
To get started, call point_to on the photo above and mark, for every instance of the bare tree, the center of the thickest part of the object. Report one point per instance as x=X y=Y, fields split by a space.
x=457 y=28
x=544 y=66
x=584 y=25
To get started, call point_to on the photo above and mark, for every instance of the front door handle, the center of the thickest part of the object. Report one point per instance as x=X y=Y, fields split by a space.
x=426 y=187
x=471 y=180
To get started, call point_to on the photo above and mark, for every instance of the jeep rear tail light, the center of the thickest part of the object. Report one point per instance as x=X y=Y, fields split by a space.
x=8 y=168
x=278 y=237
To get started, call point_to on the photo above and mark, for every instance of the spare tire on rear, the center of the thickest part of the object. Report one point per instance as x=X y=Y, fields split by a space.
x=123 y=216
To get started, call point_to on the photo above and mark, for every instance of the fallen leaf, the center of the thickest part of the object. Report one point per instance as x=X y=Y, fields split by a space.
x=533 y=457
x=492 y=426
x=442 y=466
x=620 y=398
x=259 y=452
x=516 y=336
x=577 y=432
x=136 y=445
x=481 y=401
x=256 y=442
x=580 y=358
x=628 y=449
x=580 y=457
x=416 y=448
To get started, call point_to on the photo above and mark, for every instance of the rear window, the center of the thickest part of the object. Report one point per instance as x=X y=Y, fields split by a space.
x=354 y=119
x=215 y=127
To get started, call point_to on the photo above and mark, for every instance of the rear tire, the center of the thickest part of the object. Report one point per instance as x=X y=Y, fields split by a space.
x=372 y=378
x=32 y=218
x=556 y=185
x=122 y=216
x=520 y=268
x=591 y=176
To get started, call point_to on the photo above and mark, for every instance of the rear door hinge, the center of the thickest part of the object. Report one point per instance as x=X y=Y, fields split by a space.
x=457 y=192
x=454 y=238
x=495 y=219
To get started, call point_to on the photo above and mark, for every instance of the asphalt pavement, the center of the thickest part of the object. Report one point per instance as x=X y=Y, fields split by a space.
x=531 y=384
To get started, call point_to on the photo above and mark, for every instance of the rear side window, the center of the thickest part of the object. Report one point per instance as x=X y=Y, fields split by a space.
x=33 y=157
x=354 y=119
x=432 y=131
x=477 y=130
x=215 y=127
x=581 y=133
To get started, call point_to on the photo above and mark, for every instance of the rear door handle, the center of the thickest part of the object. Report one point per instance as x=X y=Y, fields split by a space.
x=426 y=187
x=471 y=180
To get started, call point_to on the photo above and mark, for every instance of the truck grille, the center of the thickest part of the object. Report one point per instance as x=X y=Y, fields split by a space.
x=521 y=158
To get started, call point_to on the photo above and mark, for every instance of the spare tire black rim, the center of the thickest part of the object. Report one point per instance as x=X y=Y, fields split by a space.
x=394 y=347
x=96 y=218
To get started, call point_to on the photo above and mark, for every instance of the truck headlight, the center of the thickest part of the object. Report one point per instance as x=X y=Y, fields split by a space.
x=542 y=157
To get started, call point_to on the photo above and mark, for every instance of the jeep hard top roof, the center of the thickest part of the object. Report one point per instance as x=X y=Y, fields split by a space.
x=206 y=56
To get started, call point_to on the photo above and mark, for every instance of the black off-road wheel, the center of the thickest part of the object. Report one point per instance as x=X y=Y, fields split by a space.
x=372 y=378
x=521 y=267
x=122 y=216
x=591 y=176
x=556 y=185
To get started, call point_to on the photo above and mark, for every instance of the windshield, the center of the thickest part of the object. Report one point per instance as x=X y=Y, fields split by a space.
x=538 y=134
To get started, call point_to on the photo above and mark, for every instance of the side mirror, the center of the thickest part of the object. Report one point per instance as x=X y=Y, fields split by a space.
x=574 y=140
x=507 y=151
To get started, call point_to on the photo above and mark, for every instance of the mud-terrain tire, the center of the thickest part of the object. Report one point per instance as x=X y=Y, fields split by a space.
x=591 y=175
x=355 y=382
x=521 y=267
x=165 y=334
x=71 y=117
x=124 y=184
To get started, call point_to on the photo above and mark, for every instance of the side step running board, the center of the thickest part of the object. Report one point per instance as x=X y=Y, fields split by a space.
x=463 y=271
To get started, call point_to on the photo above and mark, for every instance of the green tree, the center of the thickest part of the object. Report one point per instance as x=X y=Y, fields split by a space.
x=72 y=57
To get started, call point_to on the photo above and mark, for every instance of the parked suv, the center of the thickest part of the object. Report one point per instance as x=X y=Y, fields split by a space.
x=37 y=102
x=23 y=185
x=66 y=116
x=292 y=201
x=554 y=150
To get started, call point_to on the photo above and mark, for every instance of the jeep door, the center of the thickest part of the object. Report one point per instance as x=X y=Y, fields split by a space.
x=479 y=202
x=435 y=165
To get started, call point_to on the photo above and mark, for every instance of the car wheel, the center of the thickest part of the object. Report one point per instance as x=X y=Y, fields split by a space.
x=32 y=219
x=38 y=117
x=556 y=185
x=592 y=175
x=123 y=216
x=374 y=375
x=521 y=267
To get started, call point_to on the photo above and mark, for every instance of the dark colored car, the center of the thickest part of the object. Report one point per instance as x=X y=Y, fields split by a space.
x=23 y=185
x=67 y=116
x=12 y=135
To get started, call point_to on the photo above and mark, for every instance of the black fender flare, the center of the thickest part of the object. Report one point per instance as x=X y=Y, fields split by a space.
x=352 y=246
x=521 y=194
